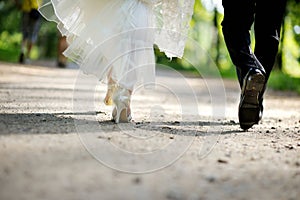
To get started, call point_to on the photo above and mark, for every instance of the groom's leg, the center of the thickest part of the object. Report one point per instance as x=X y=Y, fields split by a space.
x=267 y=28
x=237 y=22
x=236 y=25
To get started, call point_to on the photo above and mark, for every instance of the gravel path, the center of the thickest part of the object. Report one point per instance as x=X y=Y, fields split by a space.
x=57 y=140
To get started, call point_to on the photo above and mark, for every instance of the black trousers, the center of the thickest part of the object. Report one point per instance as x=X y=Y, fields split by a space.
x=239 y=16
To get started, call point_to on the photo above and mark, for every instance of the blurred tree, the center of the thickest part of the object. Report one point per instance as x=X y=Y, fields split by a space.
x=217 y=40
x=10 y=36
x=10 y=17
x=288 y=60
x=291 y=17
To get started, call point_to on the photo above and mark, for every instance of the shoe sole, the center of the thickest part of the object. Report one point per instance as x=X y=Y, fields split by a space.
x=249 y=108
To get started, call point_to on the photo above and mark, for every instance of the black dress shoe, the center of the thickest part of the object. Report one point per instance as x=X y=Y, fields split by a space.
x=250 y=108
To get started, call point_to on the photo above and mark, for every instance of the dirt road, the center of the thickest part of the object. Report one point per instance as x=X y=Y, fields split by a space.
x=57 y=140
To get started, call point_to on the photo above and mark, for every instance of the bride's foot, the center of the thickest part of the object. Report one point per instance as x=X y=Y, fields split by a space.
x=121 y=113
x=109 y=94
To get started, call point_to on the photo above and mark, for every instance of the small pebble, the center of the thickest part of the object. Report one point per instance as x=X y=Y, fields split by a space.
x=166 y=127
x=222 y=161
x=232 y=122
x=137 y=180
x=278 y=151
x=289 y=146
x=211 y=179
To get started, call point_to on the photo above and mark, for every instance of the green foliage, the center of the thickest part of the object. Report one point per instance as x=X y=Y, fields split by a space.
x=10 y=19
x=11 y=37
x=291 y=42
x=281 y=81
x=10 y=46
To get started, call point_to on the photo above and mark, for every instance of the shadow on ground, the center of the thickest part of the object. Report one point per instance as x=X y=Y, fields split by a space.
x=64 y=123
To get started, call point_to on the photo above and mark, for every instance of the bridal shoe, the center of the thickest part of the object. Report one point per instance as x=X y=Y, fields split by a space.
x=121 y=112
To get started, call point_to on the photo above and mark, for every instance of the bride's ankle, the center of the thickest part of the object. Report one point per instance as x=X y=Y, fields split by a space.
x=109 y=93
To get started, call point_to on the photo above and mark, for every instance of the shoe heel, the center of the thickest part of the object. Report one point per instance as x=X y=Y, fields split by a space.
x=254 y=87
x=121 y=115
x=121 y=112
x=255 y=82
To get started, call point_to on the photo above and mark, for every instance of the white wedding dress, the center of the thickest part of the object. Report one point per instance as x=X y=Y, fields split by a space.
x=115 y=38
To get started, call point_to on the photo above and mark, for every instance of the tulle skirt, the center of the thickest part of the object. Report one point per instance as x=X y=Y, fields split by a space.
x=114 y=38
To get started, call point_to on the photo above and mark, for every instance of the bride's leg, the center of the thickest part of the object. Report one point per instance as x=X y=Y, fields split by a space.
x=120 y=97
x=111 y=87
x=133 y=62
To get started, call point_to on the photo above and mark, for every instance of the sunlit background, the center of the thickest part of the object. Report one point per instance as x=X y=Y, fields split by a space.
x=205 y=30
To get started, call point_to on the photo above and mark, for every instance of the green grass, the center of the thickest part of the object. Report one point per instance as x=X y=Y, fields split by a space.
x=229 y=73
x=280 y=81
x=9 y=55
x=277 y=81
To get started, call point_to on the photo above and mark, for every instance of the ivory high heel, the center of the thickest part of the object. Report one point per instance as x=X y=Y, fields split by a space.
x=121 y=112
